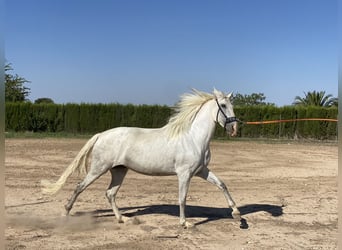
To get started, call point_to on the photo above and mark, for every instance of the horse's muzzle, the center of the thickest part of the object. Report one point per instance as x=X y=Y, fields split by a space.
x=232 y=128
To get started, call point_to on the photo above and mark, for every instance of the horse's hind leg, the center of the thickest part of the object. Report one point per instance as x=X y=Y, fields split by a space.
x=89 y=179
x=118 y=174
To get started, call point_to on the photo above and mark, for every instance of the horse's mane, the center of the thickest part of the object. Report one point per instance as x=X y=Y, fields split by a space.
x=186 y=110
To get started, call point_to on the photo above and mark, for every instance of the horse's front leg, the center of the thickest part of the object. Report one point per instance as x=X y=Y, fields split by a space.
x=184 y=183
x=211 y=177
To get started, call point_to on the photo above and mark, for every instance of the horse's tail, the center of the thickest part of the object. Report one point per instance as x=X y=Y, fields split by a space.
x=80 y=163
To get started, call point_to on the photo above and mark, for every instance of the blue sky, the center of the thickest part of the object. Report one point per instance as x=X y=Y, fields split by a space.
x=150 y=52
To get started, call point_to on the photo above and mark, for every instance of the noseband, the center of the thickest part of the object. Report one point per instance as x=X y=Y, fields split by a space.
x=228 y=119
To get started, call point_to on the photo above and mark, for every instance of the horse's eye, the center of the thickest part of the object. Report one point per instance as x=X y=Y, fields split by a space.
x=223 y=106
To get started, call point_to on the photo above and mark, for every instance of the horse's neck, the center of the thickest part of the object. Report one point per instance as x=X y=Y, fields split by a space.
x=203 y=127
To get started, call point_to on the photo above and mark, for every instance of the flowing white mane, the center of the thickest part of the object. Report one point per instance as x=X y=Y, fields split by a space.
x=186 y=110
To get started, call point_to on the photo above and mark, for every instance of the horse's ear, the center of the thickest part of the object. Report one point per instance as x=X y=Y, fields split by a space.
x=230 y=95
x=217 y=93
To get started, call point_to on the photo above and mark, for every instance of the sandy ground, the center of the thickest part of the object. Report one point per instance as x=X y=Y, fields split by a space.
x=286 y=192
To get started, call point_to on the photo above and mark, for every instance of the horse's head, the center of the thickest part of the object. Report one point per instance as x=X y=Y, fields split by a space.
x=225 y=114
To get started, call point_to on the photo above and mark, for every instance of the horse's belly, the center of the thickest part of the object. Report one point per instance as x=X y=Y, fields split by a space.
x=153 y=172
x=150 y=165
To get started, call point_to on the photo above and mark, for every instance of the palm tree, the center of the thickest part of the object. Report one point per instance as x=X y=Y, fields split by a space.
x=316 y=99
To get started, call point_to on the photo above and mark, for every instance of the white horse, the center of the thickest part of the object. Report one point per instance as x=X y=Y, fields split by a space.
x=179 y=148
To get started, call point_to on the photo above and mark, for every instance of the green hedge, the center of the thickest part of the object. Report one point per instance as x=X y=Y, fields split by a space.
x=93 y=118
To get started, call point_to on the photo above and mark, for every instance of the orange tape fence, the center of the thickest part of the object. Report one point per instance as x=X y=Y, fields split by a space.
x=290 y=120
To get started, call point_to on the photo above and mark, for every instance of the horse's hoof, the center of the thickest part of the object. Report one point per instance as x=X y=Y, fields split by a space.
x=123 y=219
x=129 y=220
x=65 y=214
x=236 y=215
x=187 y=225
x=133 y=221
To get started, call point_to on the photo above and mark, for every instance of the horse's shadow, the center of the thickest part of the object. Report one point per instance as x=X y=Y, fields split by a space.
x=208 y=213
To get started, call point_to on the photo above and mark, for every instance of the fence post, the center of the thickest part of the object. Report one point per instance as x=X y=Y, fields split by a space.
x=279 y=126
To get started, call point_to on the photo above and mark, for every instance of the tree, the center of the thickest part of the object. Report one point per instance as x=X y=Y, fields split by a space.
x=316 y=99
x=250 y=100
x=44 y=100
x=15 y=91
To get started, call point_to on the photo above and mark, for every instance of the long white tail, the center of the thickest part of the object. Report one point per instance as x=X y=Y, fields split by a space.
x=80 y=163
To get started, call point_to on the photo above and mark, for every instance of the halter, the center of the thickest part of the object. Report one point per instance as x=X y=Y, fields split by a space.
x=228 y=119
